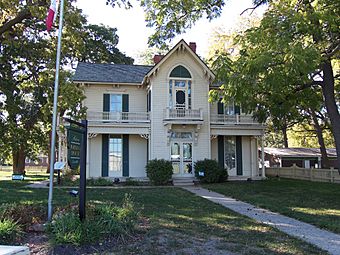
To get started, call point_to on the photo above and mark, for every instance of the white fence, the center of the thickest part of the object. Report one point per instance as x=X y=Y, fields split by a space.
x=311 y=174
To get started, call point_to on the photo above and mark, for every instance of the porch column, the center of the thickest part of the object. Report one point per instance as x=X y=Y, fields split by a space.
x=262 y=158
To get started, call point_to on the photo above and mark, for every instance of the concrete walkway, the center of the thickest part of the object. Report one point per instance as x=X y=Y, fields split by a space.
x=323 y=239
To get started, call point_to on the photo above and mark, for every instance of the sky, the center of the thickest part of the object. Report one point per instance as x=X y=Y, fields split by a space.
x=133 y=33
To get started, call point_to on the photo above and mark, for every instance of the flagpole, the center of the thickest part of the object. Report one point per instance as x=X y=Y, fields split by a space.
x=55 y=106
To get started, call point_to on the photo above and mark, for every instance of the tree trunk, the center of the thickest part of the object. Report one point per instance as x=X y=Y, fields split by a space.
x=285 y=137
x=332 y=109
x=19 y=157
x=318 y=130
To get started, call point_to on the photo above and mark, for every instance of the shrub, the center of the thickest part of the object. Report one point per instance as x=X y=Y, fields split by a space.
x=159 y=171
x=99 y=182
x=131 y=182
x=10 y=231
x=102 y=221
x=208 y=171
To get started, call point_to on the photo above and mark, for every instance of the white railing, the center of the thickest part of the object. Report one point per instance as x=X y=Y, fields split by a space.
x=123 y=117
x=183 y=114
x=233 y=119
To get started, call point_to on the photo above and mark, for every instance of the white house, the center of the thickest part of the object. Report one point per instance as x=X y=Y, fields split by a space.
x=136 y=113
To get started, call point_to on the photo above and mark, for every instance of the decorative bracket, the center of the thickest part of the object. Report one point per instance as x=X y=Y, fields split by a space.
x=213 y=137
x=145 y=136
x=91 y=135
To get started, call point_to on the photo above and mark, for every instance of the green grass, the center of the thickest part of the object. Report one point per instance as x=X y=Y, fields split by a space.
x=32 y=174
x=312 y=202
x=175 y=220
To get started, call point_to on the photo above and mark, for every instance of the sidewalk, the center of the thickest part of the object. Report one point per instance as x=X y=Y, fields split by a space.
x=323 y=239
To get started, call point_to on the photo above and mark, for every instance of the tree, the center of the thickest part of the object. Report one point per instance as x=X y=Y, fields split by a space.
x=285 y=59
x=27 y=62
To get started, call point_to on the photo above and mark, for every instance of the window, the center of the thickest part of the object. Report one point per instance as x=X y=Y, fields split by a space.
x=115 y=154
x=180 y=91
x=229 y=152
x=229 y=107
x=116 y=103
x=181 y=135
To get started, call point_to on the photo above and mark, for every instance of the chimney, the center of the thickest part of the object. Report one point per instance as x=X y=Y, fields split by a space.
x=157 y=58
x=193 y=46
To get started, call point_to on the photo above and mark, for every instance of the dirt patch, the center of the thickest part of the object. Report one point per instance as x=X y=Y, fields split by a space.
x=37 y=243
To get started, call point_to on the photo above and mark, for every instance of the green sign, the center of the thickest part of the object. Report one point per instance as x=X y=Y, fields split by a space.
x=74 y=140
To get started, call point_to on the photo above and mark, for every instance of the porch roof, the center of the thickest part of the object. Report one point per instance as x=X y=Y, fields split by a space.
x=298 y=152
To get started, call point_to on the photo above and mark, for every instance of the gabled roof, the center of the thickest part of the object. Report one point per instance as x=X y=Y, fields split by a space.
x=298 y=152
x=110 y=73
x=181 y=45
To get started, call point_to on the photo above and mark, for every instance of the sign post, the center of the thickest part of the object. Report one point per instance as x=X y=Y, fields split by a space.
x=76 y=157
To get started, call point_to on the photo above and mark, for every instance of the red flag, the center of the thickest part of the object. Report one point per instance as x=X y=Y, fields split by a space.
x=51 y=14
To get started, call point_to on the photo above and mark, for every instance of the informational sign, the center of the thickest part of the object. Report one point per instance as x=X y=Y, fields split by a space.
x=74 y=140
x=59 y=165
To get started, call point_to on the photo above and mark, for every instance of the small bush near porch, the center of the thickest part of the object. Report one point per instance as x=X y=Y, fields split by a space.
x=311 y=202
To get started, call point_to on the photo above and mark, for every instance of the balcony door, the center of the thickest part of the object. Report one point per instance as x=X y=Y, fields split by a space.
x=180 y=88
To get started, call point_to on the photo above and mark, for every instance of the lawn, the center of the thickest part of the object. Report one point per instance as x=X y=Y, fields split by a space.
x=176 y=222
x=32 y=173
x=312 y=202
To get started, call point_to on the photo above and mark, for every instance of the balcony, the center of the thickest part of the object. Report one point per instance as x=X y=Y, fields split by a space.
x=221 y=119
x=118 y=117
x=183 y=116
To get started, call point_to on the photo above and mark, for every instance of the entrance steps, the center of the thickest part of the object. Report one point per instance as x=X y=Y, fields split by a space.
x=183 y=181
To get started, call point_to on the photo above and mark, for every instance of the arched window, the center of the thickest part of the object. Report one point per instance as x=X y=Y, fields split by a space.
x=180 y=88
x=180 y=72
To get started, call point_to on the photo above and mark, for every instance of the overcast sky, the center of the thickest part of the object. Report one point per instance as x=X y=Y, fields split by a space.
x=133 y=33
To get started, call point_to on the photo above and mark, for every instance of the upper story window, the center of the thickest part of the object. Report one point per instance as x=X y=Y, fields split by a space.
x=180 y=88
x=116 y=102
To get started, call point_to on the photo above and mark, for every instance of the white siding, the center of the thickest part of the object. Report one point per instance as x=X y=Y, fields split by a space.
x=200 y=88
x=137 y=156
x=94 y=96
x=95 y=157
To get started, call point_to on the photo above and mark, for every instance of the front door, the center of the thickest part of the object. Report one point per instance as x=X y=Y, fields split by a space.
x=181 y=158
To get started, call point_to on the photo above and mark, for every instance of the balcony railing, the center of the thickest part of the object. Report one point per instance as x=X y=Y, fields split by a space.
x=183 y=114
x=233 y=119
x=118 y=117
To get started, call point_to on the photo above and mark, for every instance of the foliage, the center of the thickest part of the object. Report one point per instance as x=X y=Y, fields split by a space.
x=132 y=182
x=159 y=171
x=146 y=57
x=99 y=182
x=212 y=172
x=10 y=231
x=24 y=215
x=27 y=62
x=103 y=221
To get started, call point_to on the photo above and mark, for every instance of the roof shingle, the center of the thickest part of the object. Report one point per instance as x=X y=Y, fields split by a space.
x=110 y=73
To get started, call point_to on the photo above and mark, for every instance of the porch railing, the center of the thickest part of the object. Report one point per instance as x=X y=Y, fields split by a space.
x=233 y=119
x=117 y=117
x=183 y=114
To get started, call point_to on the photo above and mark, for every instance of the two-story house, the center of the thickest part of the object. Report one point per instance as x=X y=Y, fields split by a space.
x=136 y=113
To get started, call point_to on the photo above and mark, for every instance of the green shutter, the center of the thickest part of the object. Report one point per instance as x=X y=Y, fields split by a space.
x=105 y=155
x=125 y=103
x=106 y=103
x=126 y=155
x=237 y=109
x=220 y=150
x=239 y=167
x=220 y=107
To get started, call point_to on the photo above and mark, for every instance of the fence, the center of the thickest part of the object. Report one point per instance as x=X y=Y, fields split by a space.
x=311 y=174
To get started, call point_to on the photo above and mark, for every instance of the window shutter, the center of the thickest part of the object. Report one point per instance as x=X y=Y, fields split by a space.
x=106 y=103
x=220 y=150
x=126 y=155
x=237 y=109
x=105 y=155
x=220 y=107
x=125 y=103
x=239 y=167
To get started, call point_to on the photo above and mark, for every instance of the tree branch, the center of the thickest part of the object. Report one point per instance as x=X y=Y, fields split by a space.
x=25 y=14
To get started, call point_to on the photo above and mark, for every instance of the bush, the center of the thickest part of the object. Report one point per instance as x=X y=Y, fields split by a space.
x=99 y=182
x=102 y=221
x=208 y=171
x=10 y=231
x=159 y=171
